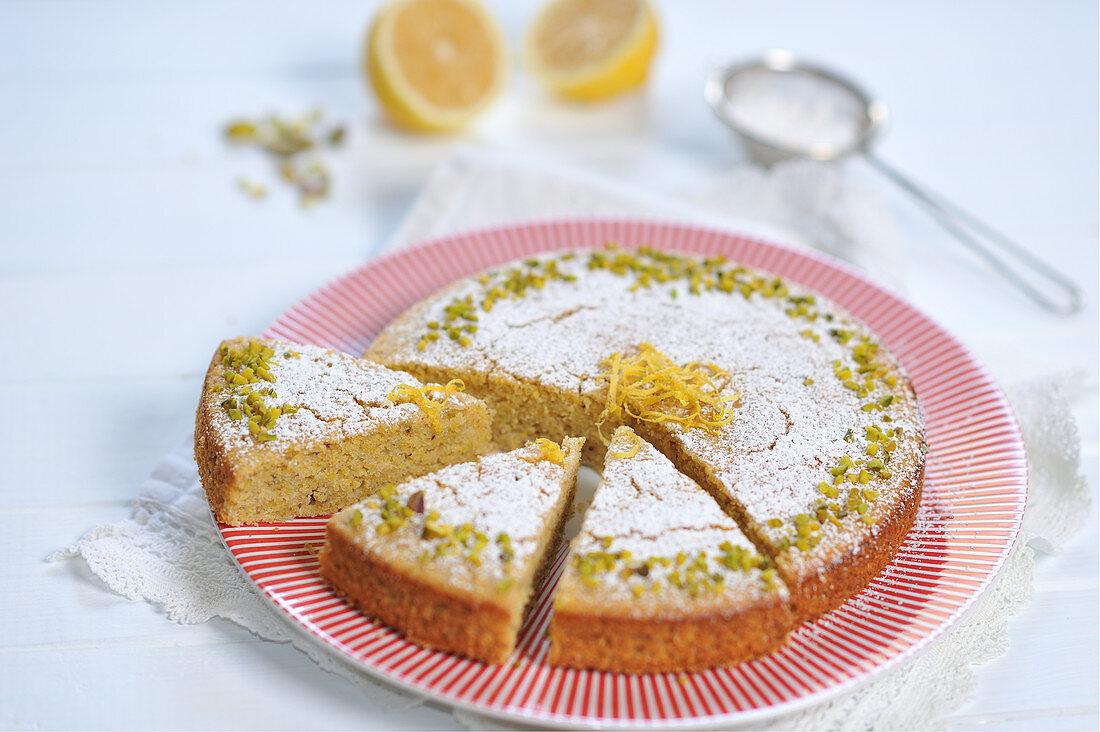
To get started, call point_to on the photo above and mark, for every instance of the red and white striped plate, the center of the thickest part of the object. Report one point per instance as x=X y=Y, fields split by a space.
x=974 y=493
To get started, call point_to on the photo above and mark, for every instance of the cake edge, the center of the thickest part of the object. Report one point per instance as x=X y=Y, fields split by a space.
x=621 y=644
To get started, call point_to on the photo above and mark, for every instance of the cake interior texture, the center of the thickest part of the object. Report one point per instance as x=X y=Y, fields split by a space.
x=333 y=434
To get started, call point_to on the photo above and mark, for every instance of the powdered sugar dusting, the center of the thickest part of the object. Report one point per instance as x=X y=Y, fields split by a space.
x=512 y=493
x=336 y=394
x=795 y=110
x=795 y=413
x=652 y=509
x=648 y=509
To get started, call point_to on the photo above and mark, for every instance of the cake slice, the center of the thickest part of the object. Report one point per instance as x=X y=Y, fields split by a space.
x=451 y=559
x=829 y=508
x=284 y=430
x=660 y=579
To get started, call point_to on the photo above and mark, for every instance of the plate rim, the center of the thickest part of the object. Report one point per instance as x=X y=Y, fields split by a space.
x=526 y=715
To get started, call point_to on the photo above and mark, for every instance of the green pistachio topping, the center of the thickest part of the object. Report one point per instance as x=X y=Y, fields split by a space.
x=647 y=267
x=465 y=541
x=247 y=374
x=697 y=575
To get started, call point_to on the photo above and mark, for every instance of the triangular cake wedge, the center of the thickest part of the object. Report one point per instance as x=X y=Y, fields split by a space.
x=284 y=430
x=451 y=559
x=829 y=508
x=660 y=579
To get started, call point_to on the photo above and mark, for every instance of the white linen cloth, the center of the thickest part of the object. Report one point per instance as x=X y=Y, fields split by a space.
x=170 y=555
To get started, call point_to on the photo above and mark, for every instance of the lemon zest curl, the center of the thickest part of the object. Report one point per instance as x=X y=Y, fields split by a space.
x=430 y=398
x=651 y=387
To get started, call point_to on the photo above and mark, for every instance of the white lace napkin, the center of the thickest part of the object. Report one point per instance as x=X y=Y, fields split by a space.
x=169 y=553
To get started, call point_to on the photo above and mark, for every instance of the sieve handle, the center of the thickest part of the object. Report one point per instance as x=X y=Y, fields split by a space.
x=1008 y=258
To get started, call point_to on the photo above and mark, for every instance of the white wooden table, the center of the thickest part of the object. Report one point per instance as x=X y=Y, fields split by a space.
x=128 y=254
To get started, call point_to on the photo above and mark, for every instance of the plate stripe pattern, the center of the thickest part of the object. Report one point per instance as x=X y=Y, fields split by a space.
x=974 y=494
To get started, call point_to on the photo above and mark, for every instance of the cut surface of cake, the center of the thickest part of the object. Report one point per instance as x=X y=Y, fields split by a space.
x=660 y=578
x=777 y=401
x=451 y=559
x=284 y=430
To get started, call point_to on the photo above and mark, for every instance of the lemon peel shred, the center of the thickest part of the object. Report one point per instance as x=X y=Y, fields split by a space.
x=651 y=387
x=550 y=451
x=424 y=397
x=630 y=451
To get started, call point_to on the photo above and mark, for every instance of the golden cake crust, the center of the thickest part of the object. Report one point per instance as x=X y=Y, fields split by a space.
x=623 y=643
x=815 y=593
x=426 y=611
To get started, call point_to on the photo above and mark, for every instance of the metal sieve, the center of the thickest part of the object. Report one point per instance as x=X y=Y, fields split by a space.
x=784 y=108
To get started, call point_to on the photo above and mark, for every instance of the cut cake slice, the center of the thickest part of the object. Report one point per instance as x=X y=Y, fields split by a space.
x=451 y=559
x=660 y=579
x=828 y=526
x=284 y=430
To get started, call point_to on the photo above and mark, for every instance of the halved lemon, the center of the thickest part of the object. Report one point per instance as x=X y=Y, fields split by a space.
x=434 y=64
x=592 y=49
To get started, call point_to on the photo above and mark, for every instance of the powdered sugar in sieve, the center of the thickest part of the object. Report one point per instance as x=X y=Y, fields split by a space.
x=783 y=108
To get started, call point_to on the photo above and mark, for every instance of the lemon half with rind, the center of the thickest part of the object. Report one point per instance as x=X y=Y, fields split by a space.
x=592 y=49
x=435 y=64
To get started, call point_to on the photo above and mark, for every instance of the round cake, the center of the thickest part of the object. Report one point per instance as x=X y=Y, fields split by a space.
x=780 y=404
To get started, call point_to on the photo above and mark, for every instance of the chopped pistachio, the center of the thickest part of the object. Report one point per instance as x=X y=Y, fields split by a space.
x=240 y=131
x=287 y=140
x=255 y=191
